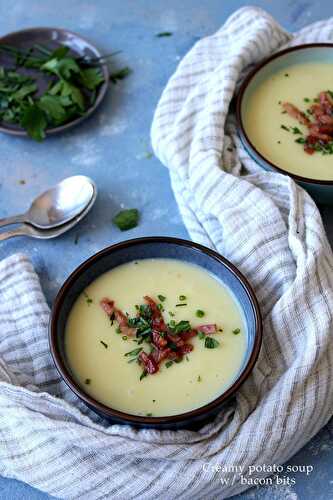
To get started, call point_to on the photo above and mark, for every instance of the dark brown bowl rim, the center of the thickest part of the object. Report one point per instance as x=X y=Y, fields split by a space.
x=240 y=96
x=101 y=93
x=136 y=419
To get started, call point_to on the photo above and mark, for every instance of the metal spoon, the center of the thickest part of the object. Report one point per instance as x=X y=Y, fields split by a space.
x=46 y=234
x=58 y=205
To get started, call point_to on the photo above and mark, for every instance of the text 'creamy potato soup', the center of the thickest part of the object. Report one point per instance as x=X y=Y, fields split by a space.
x=155 y=337
x=289 y=119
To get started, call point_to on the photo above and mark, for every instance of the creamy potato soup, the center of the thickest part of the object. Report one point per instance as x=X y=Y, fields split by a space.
x=280 y=133
x=174 y=351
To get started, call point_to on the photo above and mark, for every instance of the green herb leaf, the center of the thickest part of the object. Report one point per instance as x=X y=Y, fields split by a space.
x=53 y=108
x=199 y=313
x=199 y=378
x=236 y=331
x=120 y=74
x=126 y=219
x=87 y=381
x=211 y=343
x=168 y=364
x=161 y=298
x=296 y=130
x=163 y=34
x=91 y=78
x=181 y=305
x=34 y=121
x=285 y=128
x=135 y=352
x=143 y=375
x=201 y=335
x=182 y=298
x=104 y=344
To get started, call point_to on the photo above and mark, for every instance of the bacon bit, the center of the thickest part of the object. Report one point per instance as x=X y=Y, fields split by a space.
x=110 y=309
x=186 y=348
x=148 y=362
x=321 y=127
x=207 y=329
x=176 y=339
x=294 y=112
x=158 y=340
x=188 y=335
x=158 y=321
x=159 y=355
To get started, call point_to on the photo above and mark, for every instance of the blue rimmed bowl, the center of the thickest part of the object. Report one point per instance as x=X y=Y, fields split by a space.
x=320 y=190
x=147 y=248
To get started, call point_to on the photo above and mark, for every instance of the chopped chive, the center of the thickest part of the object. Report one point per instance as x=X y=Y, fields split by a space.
x=286 y=74
x=149 y=414
x=199 y=378
x=180 y=305
x=187 y=358
x=296 y=130
x=172 y=314
x=236 y=331
x=300 y=140
x=182 y=298
x=211 y=343
x=279 y=142
x=154 y=400
x=135 y=352
x=112 y=318
x=199 y=313
x=104 y=344
x=87 y=381
x=178 y=360
x=118 y=330
x=161 y=298
x=143 y=375
x=306 y=99
x=132 y=360
x=124 y=337
x=89 y=300
x=160 y=307
x=201 y=335
x=168 y=364
x=163 y=34
x=285 y=128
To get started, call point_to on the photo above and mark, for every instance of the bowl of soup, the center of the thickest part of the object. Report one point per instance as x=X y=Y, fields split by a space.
x=285 y=116
x=155 y=332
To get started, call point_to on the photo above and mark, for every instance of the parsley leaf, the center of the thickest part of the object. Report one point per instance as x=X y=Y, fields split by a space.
x=211 y=343
x=34 y=121
x=126 y=219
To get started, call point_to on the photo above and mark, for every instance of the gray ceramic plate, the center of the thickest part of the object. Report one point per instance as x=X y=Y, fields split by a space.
x=52 y=38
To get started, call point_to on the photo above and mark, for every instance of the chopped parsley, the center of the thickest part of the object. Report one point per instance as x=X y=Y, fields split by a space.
x=296 y=130
x=89 y=300
x=126 y=219
x=168 y=364
x=164 y=34
x=143 y=374
x=161 y=298
x=285 y=128
x=211 y=343
x=236 y=331
x=199 y=313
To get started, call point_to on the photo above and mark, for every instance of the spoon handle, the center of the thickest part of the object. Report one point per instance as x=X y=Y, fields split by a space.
x=20 y=231
x=14 y=219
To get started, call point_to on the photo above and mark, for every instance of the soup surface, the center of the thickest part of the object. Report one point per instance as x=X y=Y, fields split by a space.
x=272 y=131
x=97 y=353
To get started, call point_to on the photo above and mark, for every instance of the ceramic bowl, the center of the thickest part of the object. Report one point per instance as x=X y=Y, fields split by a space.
x=53 y=38
x=320 y=190
x=155 y=247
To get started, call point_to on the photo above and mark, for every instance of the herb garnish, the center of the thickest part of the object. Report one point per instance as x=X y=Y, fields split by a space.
x=236 y=331
x=199 y=313
x=120 y=74
x=211 y=343
x=182 y=298
x=164 y=33
x=72 y=89
x=168 y=364
x=87 y=381
x=181 y=305
x=126 y=219
x=161 y=298
x=104 y=344
x=143 y=375
x=89 y=300
x=285 y=128
x=199 y=378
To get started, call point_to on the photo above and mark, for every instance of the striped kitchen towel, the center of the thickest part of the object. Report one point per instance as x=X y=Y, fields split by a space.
x=263 y=223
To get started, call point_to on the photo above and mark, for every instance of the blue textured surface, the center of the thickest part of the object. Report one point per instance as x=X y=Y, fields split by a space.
x=112 y=148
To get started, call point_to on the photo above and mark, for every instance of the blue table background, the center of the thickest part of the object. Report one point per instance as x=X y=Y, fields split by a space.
x=113 y=148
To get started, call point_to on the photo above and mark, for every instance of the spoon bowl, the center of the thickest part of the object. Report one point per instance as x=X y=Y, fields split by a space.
x=58 y=205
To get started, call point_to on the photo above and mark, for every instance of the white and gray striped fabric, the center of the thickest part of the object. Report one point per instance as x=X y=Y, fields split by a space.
x=270 y=229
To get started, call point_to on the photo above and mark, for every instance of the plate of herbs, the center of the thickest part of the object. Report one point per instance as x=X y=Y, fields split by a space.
x=50 y=80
